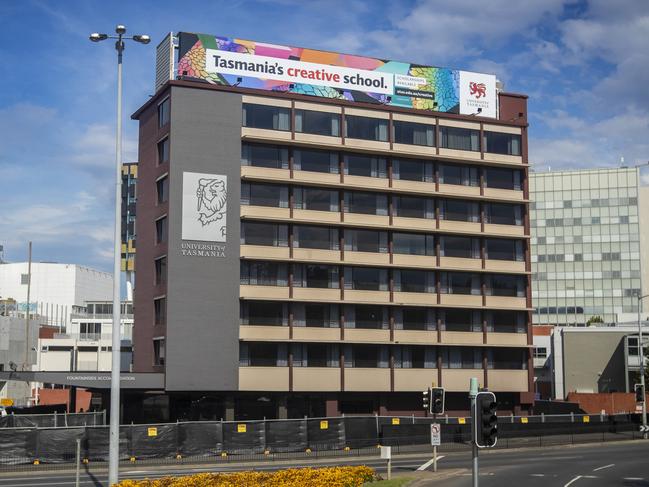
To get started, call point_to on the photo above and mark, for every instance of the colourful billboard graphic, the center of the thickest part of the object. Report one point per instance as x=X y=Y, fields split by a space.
x=250 y=64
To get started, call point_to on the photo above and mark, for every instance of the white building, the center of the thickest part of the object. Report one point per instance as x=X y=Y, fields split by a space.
x=87 y=343
x=57 y=290
x=12 y=355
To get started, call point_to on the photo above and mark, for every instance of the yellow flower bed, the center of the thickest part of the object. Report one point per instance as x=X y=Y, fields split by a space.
x=293 y=477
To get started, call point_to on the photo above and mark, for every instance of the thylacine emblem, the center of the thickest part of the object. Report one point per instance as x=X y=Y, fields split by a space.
x=212 y=195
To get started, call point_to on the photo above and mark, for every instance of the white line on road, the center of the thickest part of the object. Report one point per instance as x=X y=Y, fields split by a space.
x=429 y=463
x=633 y=478
x=573 y=481
x=602 y=468
x=537 y=475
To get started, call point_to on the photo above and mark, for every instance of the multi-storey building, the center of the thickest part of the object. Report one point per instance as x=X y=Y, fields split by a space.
x=320 y=250
x=129 y=198
x=585 y=245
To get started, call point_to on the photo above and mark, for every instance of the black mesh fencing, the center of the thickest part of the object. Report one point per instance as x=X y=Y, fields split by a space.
x=53 y=420
x=307 y=436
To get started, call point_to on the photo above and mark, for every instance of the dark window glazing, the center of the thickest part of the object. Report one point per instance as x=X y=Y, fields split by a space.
x=164 y=113
x=413 y=170
x=266 y=117
x=163 y=151
x=258 y=194
x=366 y=128
x=413 y=244
x=315 y=237
x=260 y=155
x=315 y=160
x=498 y=143
x=459 y=210
x=460 y=139
x=504 y=249
x=413 y=133
x=308 y=198
x=413 y=207
x=466 y=247
x=503 y=178
x=362 y=165
x=503 y=214
x=366 y=203
x=366 y=240
x=458 y=174
x=162 y=189
x=270 y=234
x=318 y=123
x=260 y=273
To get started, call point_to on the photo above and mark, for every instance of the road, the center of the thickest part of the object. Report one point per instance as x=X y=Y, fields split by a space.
x=613 y=464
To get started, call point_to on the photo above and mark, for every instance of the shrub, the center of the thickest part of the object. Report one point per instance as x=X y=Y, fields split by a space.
x=293 y=477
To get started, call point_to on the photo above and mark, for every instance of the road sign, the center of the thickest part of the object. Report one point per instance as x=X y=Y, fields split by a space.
x=396 y=421
x=324 y=425
x=435 y=434
x=586 y=419
x=644 y=429
x=524 y=420
x=386 y=452
x=461 y=420
x=241 y=428
x=638 y=408
x=6 y=402
x=152 y=431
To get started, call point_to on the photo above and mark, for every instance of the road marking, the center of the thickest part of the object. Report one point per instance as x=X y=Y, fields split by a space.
x=537 y=475
x=429 y=463
x=602 y=468
x=573 y=481
x=633 y=478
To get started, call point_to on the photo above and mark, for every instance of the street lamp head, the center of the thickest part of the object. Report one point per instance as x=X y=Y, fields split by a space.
x=120 y=29
x=143 y=38
x=96 y=37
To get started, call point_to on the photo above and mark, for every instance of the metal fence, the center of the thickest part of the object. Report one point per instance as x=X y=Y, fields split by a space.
x=224 y=441
x=53 y=420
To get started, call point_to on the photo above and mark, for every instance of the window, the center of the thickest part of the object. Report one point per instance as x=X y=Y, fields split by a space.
x=266 y=117
x=506 y=321
x=315 y=160
x=160 y=271
x=159 y=351
x=318 y=123
x=308 y=198
x=368 y=356
x=263 y=354
x=503 y=178
x=89 y=331
x=366 y=241
x=161 y=230
x=413 y=133
x=315 y=237
x=413 y=244
x=270 y=234
x=164 y=113
x=259 y=155
x=460 y=283
x=369 y=166
x=263 y=313
x=317 y=315
x=408 y=318
x=264 y=195
x=459 y=210
x=160 y=311
x=413 y=170
x=163 y=151
x=414 y=281
x=507 y=358
x=504 y=249
x=367 y=317
x=460 y=139
x=366 y=128
x=465 y=247
x=259 y=273
x=413 y=207
x=162 y=189
x=316 y=276
x=503 y=214
x=315 y=355
x=415 y=357
x=366 y=278
x=464 y=358
x=505 y=285
x=366 y=203
x=498 y=143
x=457 y=174
x=461 y=320
x=540 y=352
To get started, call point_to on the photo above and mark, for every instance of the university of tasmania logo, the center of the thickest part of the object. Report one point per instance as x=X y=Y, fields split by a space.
x=477 y=89
x=205 y=198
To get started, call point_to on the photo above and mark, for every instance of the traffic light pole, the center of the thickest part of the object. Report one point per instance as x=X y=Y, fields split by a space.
x=435 y=447
x=473 y=392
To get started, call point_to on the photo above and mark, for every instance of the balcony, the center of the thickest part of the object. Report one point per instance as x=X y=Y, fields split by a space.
x=508 y=339
x=457 y=380
x=316 y=379
x=316 y=294
x=264 y=252
x=317 y=255
x=404 y=260
x=411 y=380
x=461 y=263
x=506 y=302
x=505 y=230
x=263 y=379
x=316 y=216
x=419 y=223
x=264 y=173
x=263 y=333
x=367 y=296
x=247 y=291
x=504 y=266
x=265 y=212
x=463 y=300
x=462 y=337
x=508 y=380
x=415 y=337
x=311 y=334
x=369 y=258
x=367 y=379
x=360 y=335
x=426 y=299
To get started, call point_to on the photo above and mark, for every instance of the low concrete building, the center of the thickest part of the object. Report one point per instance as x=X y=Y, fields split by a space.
x=12 y=355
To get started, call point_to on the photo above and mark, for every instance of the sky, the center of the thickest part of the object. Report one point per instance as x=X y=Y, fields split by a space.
x=584 y=65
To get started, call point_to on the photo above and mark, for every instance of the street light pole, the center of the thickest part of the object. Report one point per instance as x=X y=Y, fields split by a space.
x=113 y=446
x=641 y=351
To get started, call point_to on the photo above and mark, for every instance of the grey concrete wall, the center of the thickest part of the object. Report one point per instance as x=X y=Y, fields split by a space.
x=643 y=214
x=594 y=361
x=202 y=345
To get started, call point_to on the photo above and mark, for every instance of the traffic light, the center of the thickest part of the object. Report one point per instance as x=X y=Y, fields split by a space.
x=639 y=393
x=425 y=399
x=437 y=400
x=485 y=420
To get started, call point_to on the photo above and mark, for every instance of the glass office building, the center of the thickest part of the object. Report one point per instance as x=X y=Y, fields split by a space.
x=585 y=245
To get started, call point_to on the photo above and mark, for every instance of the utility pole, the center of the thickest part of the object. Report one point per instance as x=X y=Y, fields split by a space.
x=29 y=287
x=473 y=392
x=642 y=381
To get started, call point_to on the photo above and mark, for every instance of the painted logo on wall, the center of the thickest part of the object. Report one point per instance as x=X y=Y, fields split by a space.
x=250 y=64
x=205 y=200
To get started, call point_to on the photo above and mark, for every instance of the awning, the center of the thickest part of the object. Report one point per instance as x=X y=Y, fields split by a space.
x=91 y=380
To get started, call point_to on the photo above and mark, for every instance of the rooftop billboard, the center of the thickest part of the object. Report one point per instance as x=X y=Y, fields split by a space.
x=227 y=61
